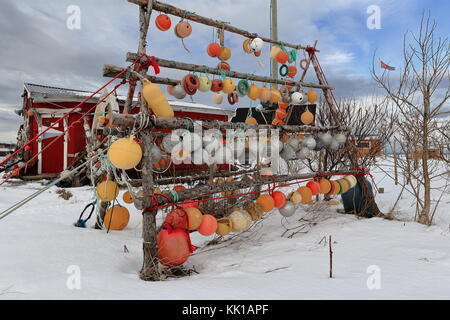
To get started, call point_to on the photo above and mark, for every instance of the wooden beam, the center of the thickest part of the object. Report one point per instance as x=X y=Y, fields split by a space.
x=166 y=8
x=112 y=71
x=128 y=120
x=208 y=190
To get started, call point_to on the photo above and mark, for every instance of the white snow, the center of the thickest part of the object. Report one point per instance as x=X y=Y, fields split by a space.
x=39 y=242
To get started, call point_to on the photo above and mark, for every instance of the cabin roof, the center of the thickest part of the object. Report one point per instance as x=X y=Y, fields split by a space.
x=44 y=93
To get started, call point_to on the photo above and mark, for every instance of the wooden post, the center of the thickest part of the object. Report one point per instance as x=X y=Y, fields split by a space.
x=274 y=36
x=331 y=257
x=395 y=164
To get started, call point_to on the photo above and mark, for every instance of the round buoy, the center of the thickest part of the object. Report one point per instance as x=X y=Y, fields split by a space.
x=194 y=217
x=295 y=197
x=314 y=186
x=224 y=226
x=116 y=218
x=128 y=197
x=288 y=210
x=107 y=191
x=125 y=153
x=312 y=96
x=177 y=219
x=266 y=202
x=325 y=186
x=208 y=225
x=306 y=194
x=240 y=221
x=279 y=199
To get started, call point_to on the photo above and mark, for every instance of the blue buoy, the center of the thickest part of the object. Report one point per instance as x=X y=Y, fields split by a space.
x=353 y=199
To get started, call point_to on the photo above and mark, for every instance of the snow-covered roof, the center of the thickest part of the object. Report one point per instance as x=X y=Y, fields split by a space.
x=43 y=93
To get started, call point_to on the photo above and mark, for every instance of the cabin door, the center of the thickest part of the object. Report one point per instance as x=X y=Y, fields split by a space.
x=53 y=145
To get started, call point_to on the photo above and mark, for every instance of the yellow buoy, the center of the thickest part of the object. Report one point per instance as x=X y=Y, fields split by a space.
x=107 y=191
x=295 y=198
x=128 y=197
x=156 y=100
x=228 y=85
x=312 y=96
x=116 y=218
x=275 y=95
x=254 y=92
x=125 y=153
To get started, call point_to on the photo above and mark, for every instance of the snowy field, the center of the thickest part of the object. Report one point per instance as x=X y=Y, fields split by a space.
x=38 y=243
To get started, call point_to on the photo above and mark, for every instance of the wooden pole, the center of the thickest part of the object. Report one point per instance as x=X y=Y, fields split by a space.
x=331 y=257
x=129 y=120
x=274 y=36
x=166 y=8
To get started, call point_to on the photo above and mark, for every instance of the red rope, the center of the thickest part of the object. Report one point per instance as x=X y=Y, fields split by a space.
x=269 y=189
x=68 y=113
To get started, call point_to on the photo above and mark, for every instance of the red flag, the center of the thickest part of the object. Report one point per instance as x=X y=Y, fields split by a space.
x=385 y=66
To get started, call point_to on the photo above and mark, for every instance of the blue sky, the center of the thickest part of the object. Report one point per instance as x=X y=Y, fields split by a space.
x=35 y=33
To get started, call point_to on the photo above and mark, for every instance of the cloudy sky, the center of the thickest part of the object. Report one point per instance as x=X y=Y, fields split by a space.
x=37 y=46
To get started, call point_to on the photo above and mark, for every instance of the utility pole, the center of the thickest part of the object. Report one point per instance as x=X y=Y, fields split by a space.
x=274 y=36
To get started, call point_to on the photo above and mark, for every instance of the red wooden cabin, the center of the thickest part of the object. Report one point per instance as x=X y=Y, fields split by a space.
x=43 y=105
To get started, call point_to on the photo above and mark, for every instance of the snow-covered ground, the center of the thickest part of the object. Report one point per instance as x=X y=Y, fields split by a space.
x=38 y=244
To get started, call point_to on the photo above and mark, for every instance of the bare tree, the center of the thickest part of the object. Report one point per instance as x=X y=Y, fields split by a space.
x=420 y=94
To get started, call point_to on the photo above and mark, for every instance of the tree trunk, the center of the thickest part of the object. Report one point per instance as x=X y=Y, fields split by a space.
x=424 y=216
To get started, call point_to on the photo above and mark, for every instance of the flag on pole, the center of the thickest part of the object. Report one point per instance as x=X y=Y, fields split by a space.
x=385 y=66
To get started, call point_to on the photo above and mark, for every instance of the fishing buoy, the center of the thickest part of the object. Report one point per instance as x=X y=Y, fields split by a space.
x=340 y=138
x=205 y=84
x=288 y=210
x=194 y=217
x=256 y=44
x=254 y=92
x=314 y=186
x=275 y=96
x=274 y=52
x=225 y=54
x=306 y=194
x=173 y=246
x=282 y=57
x=107 y=191
x=326 y=138
x=222 y=65
x=351 y=180
x=310 y=143
x=240 y=221
x=303 y=153
x=312 y=96
x=297 y=97
x=325 y=186
x=125 y=153
x=265 y=94
x=208 y=225
x=251 y=121
x=183 y=29
x=163 y=22
x=116 y=218
x=335 y=188
x=216 y=85
x=344 y=184
x=156 y=99
x=279 y=199
x=228 y=86
x=295 y=197
x=178 y=92
x=224 y=226
x=217 y=98
x=307 y=117
x=177 y=219
x=292 y=71
x=246 y=46
x=128 y=197
x=266 y=202
x=214 y=50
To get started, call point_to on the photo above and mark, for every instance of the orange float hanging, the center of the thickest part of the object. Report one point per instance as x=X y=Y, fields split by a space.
x=222 y=65
x=183 y=29
x=275 y=95
x=345 y=186
x=174 y=246
x=116 y=218
x=312 y=96
x=251 y=120
x=254 y=92
x=127 y=197
x=282 y=57
x=335 y=188
x=314 y=186
x=265 y=94
x=214 y=50
x=177 y=219
x=325 y=186
x=307 y=117
x=163 y=22
x=306 y=194
x=292 y=71
x=266 y=202
x=225 y=53
x=194 y=217
x=279 y=199
x=208 y=225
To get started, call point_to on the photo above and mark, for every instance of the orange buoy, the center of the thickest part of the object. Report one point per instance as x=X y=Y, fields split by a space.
x=183 y=29
x=194 y=217
x=223 y=65
x=345 y=185
x=163 y=22
x=275 y=95
x=173 y=246
x=251 y=120
x=116 y=218
x=314 y=186
x=266 y=202
x=292 y=71
x=177 y=219
x=307 y=117
x=312 y=96
x=279 y=199
x=178 y=188
x=214 y=50
x=107 y=191
x=254 y=92
x=208 y=225
x=325 y=186
x=282 y=57
x=225 y=53
x=265 y=94
x=335 y=188
x=127 y=197
x=306 y=194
